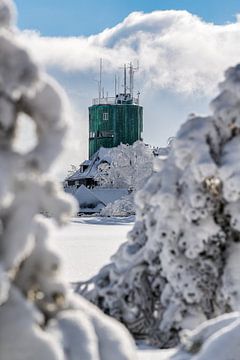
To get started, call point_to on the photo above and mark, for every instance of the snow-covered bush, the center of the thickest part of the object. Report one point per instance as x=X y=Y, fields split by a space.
x=180 y=265
x=121 y=207
x=40 y=317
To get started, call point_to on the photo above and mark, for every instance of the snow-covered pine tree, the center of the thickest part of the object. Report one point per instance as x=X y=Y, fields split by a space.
x=180 y=265
x=40 y=317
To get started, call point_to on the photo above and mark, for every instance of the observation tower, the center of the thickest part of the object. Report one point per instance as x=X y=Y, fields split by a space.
x=118 y=119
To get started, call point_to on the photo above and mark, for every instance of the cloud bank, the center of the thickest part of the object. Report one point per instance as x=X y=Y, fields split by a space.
x=176 y=49
x=182 y=58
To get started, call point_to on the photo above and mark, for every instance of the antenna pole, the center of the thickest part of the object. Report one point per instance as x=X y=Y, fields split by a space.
x=125 y=79
x=131 y=73
x=115 y=87
x=132 y=70
x=100 y=79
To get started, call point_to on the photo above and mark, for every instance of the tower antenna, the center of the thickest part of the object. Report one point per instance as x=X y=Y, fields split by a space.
x=125 y=79
x=132 y=70
x=100 y=79
x=131 y=81
x=115 y=86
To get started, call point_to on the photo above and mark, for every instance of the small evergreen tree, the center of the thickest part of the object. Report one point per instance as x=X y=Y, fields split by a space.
x=180 y=265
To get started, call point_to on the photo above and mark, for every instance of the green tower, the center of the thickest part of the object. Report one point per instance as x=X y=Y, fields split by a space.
x=115 y=120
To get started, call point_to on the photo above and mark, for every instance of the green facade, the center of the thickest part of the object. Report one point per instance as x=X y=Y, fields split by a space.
x=110 y=125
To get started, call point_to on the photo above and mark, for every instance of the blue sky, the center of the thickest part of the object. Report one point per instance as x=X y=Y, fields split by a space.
x=85 y=17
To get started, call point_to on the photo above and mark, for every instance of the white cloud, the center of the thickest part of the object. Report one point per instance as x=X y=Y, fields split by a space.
x=176 y=49
x=182 y=58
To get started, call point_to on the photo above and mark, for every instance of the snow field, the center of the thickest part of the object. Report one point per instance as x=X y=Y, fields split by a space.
x=87 y=244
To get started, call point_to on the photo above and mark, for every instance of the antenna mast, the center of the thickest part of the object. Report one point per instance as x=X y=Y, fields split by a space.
x=131 y=74
x=115 y=86
x=132 y=70
x=125 y=79
x=100 y=80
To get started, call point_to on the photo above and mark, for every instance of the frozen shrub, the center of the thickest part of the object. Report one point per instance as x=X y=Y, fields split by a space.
x=180 y=265
x=121 y=207
x=40 y=317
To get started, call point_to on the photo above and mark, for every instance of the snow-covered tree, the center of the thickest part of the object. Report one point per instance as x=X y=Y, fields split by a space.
x=40 y=317
x=72 y=170
x=130 y=167
x=180 y=265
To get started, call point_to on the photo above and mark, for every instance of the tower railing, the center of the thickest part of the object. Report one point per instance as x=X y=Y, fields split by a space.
x=115 y=101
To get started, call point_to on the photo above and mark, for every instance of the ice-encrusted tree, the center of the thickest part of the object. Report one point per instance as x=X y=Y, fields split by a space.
x=180 y=265
x=130 y=167
x=40 y=318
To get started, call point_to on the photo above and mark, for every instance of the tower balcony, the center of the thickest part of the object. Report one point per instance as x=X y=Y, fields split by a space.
x=120 y=99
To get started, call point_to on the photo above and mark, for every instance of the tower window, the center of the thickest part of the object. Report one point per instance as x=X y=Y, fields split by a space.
x=92 y=134
x=105 y=116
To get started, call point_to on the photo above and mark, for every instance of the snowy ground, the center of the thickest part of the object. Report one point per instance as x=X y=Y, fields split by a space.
x=87 y=244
